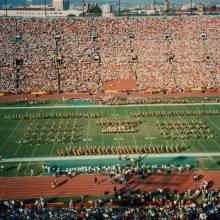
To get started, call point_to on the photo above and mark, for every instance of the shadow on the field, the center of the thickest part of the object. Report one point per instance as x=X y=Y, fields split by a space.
x=200 y=177
x=62 y=183
x=181 y=159
x=102 y=181
x=130 y=185
x=210 y=184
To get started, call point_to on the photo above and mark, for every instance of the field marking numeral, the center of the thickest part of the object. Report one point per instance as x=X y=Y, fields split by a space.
x=87 y=139
x=149 y=138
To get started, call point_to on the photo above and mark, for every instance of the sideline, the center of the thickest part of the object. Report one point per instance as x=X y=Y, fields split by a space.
x=107 y=106
x=95 y=157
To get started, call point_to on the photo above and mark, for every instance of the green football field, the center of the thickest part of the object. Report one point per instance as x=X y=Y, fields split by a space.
x=88 y=133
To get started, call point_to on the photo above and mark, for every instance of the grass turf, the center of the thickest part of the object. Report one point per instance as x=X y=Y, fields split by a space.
x=90 y=134
x=11 y=169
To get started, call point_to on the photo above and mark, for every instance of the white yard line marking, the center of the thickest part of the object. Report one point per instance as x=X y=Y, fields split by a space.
x=12 y=132
x=101 y=129
x=216 y=165
x=87 y=134
x=35 y=148
x=181 y=119
x=5 y=121
x=165 y=141
x=51 y=152
x=7 y=139
x=118 y=139
x=203 y=148
x=217 y=144
x=3 y=124
x=134 y=140
x=211 y=158
x=20 y=145
x=33 y=152
x=18 y=168
x=70 y=145
x=145 y=128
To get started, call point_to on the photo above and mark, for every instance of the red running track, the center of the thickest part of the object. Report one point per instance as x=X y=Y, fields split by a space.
x=35 y=187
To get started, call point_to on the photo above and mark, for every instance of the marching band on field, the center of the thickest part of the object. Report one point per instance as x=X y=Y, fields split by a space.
x=51 y=132
x=121 y=149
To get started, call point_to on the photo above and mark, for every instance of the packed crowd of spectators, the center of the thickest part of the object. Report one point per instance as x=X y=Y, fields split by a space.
x=201 y=202
x=175 y=53
x=198 y=204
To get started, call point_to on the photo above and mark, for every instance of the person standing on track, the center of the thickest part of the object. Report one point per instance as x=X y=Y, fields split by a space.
x=96 y=180
x=195 y=180
x=54 y=183
x=32 y=172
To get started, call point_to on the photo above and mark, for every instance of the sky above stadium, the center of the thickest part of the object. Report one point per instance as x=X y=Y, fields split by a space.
x=114 y=2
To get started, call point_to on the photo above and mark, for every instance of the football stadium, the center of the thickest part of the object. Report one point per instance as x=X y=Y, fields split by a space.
x=110 y=118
